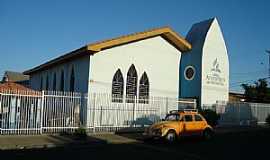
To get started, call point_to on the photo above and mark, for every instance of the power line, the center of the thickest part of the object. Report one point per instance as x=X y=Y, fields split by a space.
x=245 y=81
x=245 y=73
x=241 y=81
x=267 y=51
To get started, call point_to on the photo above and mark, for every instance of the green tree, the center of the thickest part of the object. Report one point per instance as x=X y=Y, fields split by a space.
x=257 y=92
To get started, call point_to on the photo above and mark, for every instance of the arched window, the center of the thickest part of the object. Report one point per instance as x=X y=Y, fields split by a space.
x=72 y=81
x=47 y=83
x=144 y=89
x=131 y=84
x=117 y=87
x=62 y=81
x=41 y=83
x=54 y=81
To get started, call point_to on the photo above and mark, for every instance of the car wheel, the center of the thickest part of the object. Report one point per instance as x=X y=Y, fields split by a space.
x=208 y=134
x=171 y=136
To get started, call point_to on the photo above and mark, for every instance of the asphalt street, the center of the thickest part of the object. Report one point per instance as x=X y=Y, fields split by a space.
x=241 y=145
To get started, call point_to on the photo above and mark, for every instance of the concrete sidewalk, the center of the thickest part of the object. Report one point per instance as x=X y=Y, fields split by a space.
x=237 y=129
x=50 y=141
x=44 y=141
x=218 y=131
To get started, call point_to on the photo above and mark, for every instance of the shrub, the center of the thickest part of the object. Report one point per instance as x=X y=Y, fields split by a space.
x=267 y=120
x=211 y=116
x=81 y=132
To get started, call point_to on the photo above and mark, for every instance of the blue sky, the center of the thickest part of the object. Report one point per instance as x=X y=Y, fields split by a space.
x=34 y=31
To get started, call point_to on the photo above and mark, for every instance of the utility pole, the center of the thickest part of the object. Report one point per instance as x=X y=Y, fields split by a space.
x=268 y=51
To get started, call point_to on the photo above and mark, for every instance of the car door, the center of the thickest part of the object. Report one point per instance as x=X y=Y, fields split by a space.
x=199 y=123
x=189 y=127
x=174 y=120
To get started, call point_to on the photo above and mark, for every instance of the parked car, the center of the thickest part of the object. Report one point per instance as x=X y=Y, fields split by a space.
x=180 y=123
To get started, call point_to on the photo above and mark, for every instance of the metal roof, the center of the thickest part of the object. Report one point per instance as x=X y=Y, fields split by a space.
x=165 y=32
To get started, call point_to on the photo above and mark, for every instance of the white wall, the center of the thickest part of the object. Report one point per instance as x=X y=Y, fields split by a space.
x=159 y=59
x=81 y=72
x=207 y=46
x=216 y=86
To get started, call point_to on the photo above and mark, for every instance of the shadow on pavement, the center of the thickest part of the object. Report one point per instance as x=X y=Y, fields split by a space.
x=242 y=145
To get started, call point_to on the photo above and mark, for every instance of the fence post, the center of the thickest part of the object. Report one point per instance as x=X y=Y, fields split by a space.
x=239 y=113
x=82 y=111
x=195 y=104
x=1 y=111
x=94 y=112
x=134 y=111
x=160 y=106
x=41 y=111
x=167 y=105
x=257 y=116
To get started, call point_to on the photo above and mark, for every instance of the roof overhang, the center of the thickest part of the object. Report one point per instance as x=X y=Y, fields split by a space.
x=71 y=55
x=166 y=32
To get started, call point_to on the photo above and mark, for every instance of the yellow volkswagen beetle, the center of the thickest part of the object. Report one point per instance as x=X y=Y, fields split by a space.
x=180 y=123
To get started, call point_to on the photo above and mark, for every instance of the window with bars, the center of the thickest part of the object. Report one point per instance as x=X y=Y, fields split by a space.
x=131 y=84
x=117 y=87
x=144 y=89
x=72 y=81
x=62 y=81
x=54 y=81
x=47 y=83
x=41 y=84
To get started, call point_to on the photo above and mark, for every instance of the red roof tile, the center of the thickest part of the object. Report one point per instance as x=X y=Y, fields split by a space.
x=10 y=87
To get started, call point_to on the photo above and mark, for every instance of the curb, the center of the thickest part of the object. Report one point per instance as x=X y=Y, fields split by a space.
x=94 y=143
x=51 y=145
x=24 y=147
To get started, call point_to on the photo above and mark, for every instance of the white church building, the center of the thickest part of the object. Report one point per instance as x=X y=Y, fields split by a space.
x=157 y=62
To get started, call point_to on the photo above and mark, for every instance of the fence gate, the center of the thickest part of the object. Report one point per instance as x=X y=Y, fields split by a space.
x=61 y=112
x=20 y=112
x=242 y=113
x=34 y=112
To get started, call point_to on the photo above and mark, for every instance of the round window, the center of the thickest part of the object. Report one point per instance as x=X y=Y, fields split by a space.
x=189 y=72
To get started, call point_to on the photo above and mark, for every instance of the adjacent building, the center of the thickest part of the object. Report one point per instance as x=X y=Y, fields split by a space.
x=16 y=77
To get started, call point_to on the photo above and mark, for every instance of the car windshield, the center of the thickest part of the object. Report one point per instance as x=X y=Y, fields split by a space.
x=172 y=117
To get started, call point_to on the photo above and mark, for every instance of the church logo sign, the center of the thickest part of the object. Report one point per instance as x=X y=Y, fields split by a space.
x=214 y=77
